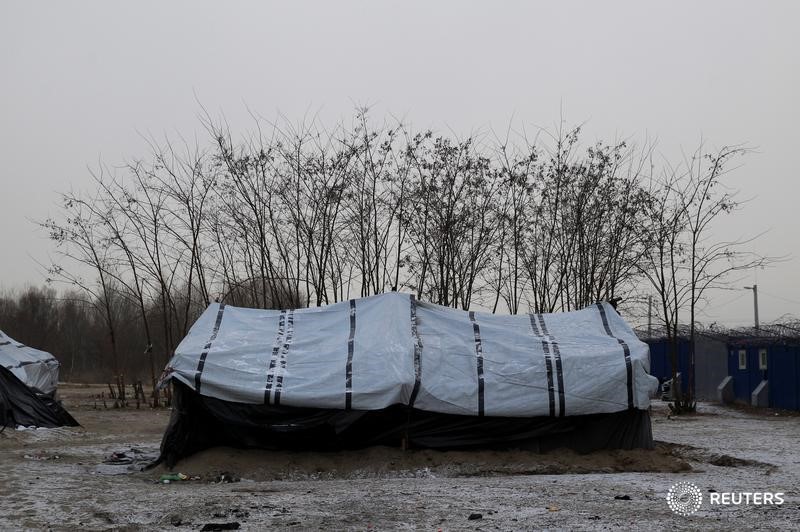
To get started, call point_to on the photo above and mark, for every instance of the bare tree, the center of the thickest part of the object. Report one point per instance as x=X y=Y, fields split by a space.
x=80 y=238
x=297 y=214
x=684 y=261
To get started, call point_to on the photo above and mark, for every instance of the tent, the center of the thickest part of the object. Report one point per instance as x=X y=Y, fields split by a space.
x=37 y=369
x=28 y=380
x=389 y=369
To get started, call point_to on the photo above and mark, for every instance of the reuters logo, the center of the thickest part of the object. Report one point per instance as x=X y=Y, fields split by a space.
x=684 y=498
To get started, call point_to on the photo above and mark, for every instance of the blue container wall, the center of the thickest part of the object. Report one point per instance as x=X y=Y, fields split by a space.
x=660 y=366
x=783 y=367
x=783 y=371
x=744 y=380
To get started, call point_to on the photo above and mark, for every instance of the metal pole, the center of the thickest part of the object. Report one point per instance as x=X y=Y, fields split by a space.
x=649 y=316
x=754 y=288
x=755 y=303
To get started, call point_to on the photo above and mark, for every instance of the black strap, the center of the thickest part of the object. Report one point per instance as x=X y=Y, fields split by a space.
x=348 y=393
x=201 y=364
x=559 y=370
x=284 y=353
x=625 y=350
x=547 y=362
x=274 y=358
x=417 y=353
x=476 y=330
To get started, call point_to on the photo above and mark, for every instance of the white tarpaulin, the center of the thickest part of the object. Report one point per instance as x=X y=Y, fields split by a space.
x=37 y=369
x=370 y=353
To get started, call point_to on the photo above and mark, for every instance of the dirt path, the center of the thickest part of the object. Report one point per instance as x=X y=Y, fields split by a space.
x=57 y=479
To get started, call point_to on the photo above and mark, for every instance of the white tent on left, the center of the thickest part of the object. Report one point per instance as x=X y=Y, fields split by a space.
x=37 y=369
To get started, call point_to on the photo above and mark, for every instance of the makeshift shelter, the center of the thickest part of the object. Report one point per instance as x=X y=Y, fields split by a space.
x=28 y=380
x=390 y=370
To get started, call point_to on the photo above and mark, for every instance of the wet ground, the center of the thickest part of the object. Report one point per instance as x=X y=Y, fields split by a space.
x=88 y=479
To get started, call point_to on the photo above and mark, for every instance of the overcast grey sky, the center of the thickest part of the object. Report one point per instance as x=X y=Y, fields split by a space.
x=81 y=81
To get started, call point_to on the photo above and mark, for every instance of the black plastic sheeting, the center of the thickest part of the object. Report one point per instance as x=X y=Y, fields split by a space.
x=20 y=405
x=199 y=422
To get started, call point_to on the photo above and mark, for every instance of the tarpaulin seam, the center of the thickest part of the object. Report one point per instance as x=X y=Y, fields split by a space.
x=559 y=372
x=29 y=362
x=626 y=351
x=284 y=353
x=348 y=394
x=479 y=355
x=202 y=362
x=548 y=365
x=273 y=359
x=417 y=353
x=18 y=346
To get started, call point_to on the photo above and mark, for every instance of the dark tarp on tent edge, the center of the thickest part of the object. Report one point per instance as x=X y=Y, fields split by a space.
x=200 y=422
x=20 y=405
x=387 y=368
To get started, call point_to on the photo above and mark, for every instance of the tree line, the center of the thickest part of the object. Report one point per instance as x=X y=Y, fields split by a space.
x=301 y=215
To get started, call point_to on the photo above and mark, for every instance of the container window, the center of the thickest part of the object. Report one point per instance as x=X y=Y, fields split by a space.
x=762 y=359
x=742 y=359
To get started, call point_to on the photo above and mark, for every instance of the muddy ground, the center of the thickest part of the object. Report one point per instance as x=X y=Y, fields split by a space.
x=62 y=479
